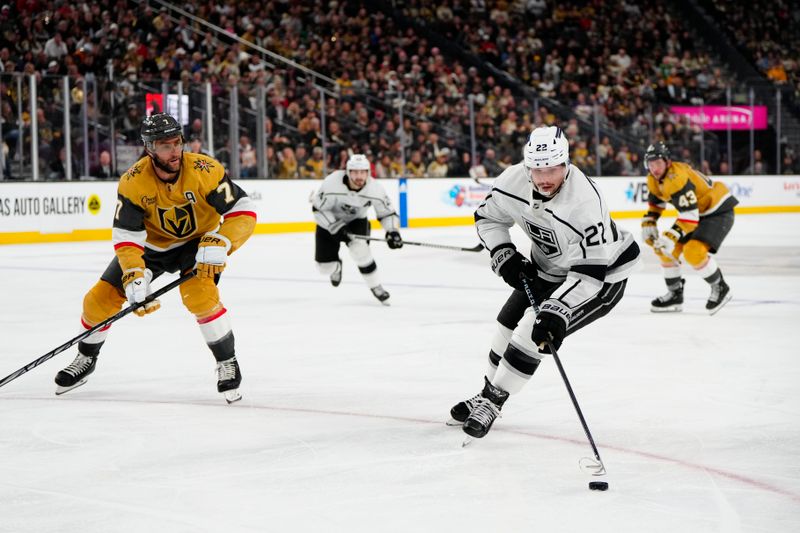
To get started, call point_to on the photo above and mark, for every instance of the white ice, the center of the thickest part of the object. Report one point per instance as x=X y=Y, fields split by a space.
x=342 y=423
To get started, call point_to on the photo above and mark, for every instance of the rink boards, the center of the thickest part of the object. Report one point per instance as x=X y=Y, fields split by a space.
x=80 y=211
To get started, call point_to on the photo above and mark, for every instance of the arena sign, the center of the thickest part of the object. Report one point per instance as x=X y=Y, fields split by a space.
x=717 y=117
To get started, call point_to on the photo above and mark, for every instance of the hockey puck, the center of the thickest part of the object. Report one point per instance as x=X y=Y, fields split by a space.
x=598 y=485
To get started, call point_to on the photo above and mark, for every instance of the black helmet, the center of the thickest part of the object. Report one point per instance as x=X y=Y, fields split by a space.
x=657 y=150
x=159 y=126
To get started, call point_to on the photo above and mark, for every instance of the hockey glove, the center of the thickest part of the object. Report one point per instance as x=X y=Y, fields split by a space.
x=649 y=230
x=136 y=283
x=550 y=325
x=511 y=265
x=212 y=252
x=394 y=240
x=668 y=240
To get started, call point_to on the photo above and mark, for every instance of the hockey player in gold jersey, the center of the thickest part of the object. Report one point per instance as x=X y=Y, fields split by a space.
x=176 y=211
x=705 y=216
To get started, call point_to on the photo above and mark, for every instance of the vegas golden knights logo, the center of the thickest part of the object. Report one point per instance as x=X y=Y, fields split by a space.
x=178 y=220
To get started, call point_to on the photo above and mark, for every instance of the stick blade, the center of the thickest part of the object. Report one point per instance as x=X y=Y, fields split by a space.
x=592 y=466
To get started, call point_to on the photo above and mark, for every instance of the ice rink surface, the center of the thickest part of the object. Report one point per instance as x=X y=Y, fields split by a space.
x=342 y=423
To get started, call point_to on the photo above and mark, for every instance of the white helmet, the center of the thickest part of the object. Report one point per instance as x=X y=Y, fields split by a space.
x=546 y=147
x=357 y=162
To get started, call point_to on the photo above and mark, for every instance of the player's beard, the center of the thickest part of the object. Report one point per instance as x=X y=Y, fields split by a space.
x=172 y=166
x=356 y=186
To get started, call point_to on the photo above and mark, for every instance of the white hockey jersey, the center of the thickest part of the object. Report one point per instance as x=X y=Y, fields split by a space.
x=574 y=240
x=335 y=204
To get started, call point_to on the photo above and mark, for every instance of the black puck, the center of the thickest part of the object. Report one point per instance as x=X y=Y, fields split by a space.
x=598 y=485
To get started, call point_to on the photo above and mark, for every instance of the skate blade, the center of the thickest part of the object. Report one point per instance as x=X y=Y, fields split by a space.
x=232 y=396
x=386 y=303
x=61 y=390
x=670 y=309
x=454 y=423
x=720 y=306
x=467 y=441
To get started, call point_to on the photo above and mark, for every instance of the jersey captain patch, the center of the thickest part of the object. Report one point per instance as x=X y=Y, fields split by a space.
x=544 y=238
x=179 y=221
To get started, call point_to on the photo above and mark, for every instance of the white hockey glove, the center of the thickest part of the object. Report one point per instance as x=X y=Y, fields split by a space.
x=212 y=252
x=136 y=283
x=668 y=240
x=649 y=230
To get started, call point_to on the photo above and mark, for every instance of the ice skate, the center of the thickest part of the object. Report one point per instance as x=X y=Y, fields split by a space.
x=381 y=294
x=672 y=302
x=720 y=295
x=228 y=379
x=461 y=410
x=75 y=374
x=486 y=411
x=336 y=276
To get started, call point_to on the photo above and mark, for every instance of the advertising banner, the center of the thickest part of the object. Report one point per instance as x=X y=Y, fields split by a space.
x=628 y=196
x=432 y=199
x=56 y=207
x=73 y=211
x=717 y=117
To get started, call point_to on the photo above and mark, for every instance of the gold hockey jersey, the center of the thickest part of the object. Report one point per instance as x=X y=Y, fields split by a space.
x=692 y=193
x=159 y=215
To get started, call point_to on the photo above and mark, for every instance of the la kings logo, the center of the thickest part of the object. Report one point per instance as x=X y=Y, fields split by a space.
x=544 y=239
x=353 y=209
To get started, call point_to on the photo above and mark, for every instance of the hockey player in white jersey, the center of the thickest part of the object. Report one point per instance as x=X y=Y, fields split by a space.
x=340 y=208
x=577 y=270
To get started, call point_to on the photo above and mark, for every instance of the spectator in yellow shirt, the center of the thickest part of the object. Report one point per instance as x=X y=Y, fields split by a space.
x=415 y=168
x=438 y=168
x=287 y=168
x=314 y=165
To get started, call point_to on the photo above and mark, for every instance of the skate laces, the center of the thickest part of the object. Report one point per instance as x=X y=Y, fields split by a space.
x=716 y=290
x=472 y=402
x=78 y=366
x=485 y=411
x=226 y=370
x=667 y=297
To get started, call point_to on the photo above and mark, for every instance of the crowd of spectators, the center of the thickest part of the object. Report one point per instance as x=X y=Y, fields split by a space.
x=625 y=60
x=765 y=30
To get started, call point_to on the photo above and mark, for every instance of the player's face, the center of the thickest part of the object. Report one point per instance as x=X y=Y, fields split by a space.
x=169 y=152
x=548 y=180
x=657 y=167
x=358 y=178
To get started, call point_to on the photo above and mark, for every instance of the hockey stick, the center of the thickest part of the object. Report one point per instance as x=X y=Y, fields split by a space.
x=594 y=466
x=49 y=355
x=476 y=248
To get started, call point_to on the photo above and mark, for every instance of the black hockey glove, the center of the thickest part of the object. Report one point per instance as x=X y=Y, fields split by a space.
x=550 y=325
x=394 y=240
x=511 y=265
x=342 y=235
